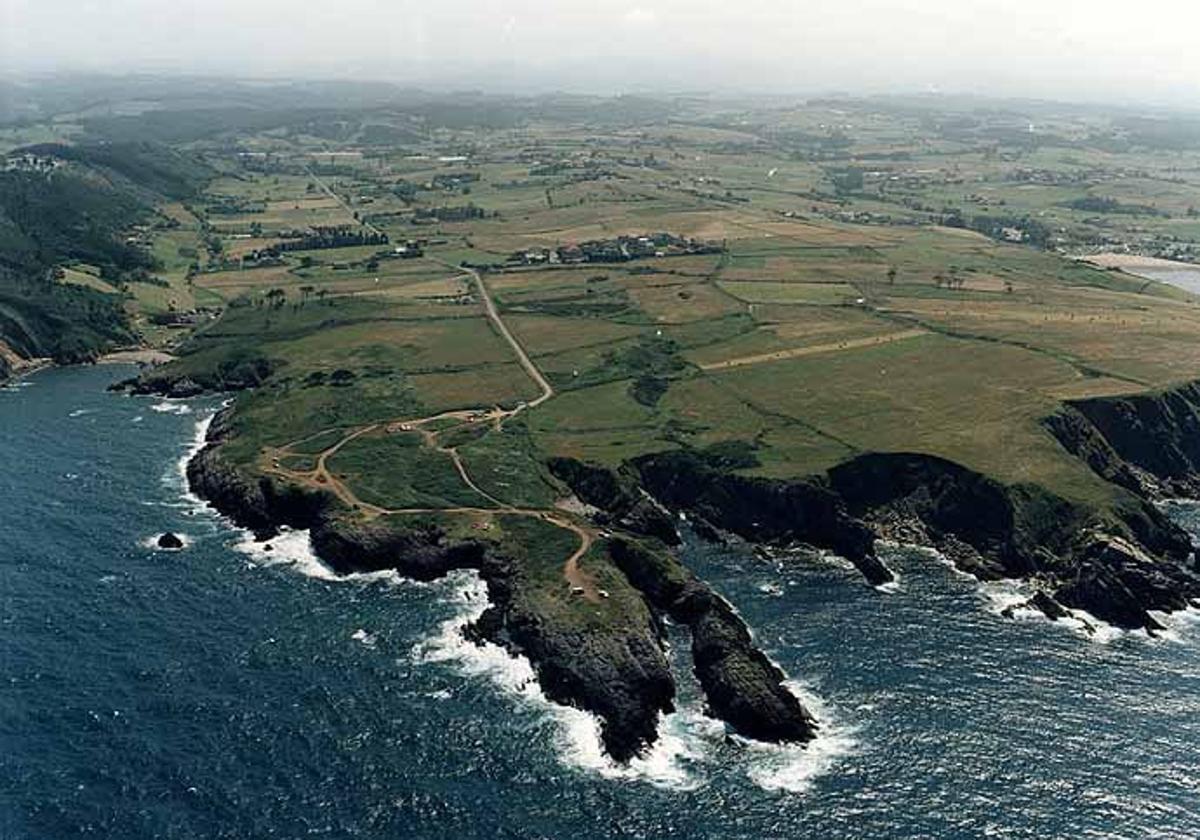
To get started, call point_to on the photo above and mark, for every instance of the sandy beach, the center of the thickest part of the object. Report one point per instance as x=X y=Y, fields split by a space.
x=145 y=356
x=1133 y=262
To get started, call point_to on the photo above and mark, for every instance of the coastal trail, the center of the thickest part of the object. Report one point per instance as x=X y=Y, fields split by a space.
x=320 y=476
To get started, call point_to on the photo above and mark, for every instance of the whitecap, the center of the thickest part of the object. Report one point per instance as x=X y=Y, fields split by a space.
x=177 y=477
x=794 y=768
x=928 y=552
x=80 y=412
x=288 y=548
x=1012 y=595
x=367 y=639
x=294 y=549
x=171 y=407
x=1179 y=626
x=892 y=585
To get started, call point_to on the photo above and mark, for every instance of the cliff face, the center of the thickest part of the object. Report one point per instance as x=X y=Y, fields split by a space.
x=617 y=496
x=761 y=509
x=741 y=685
x=1149 y=443
x=1118 y=564
x=260 y=505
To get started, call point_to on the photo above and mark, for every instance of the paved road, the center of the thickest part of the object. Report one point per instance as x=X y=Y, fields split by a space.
x=329 y=192
x=502 y=328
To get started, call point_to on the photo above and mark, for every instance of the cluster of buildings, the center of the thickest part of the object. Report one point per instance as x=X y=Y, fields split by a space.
x=29 y=162
x=619 y=249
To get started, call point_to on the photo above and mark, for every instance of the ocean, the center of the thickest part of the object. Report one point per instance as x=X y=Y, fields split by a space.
x=222 y=691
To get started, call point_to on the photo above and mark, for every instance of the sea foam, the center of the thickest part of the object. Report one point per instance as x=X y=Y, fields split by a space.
x=795 y=768
x=577 y=738
x=171 y=407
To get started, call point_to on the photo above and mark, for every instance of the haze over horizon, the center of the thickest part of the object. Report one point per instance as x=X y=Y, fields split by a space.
x=1056 y=49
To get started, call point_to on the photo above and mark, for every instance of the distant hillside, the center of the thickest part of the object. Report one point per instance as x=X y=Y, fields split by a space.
x=62 y=204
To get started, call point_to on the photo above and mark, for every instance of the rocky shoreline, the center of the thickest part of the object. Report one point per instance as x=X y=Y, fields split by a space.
x=1119 y=565
x=617 y=671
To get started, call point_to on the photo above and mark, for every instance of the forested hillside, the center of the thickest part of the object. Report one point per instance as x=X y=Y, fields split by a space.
x=77 y=205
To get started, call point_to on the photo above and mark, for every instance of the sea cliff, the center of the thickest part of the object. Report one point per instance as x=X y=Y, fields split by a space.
x=617 y=670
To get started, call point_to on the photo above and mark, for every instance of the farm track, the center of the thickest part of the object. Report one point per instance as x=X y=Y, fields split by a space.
x=815 y=350
x=322 y=478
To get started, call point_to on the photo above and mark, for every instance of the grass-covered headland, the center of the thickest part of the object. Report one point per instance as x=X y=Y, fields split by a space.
x=523 y=337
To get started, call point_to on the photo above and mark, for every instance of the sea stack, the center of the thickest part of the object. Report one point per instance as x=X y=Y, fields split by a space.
x=170 y=541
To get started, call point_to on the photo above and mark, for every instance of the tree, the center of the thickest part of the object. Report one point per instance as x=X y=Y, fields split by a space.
x=891 y=275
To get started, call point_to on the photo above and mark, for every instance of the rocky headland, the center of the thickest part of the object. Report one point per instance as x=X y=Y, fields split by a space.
x=1120 y=563
x=617 y=670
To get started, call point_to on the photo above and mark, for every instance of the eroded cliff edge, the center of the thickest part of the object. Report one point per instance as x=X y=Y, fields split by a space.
x=1120 y=562
x=615 y=669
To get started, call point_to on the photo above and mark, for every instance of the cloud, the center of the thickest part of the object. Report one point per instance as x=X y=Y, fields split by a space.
x=640 y=17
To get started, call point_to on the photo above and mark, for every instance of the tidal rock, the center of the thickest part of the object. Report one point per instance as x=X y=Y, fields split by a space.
x=1049 y=607
x=170 y=542
x=1041 y=602
x=185 y=388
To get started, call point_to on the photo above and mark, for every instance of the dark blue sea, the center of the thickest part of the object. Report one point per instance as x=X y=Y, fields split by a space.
x=225 y=692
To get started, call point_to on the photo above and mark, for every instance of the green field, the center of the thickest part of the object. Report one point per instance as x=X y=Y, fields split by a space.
x=910 y=285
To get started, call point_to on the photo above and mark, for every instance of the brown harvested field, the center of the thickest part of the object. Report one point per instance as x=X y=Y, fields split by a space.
x=82 y=278
x=448 y=287
x=237 y=248
x=289 y=213
x=683 y=302
x=250 y=278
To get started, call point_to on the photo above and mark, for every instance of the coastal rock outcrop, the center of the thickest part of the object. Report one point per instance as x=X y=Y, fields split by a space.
x=617 y=671
x=1155 y=436
x=1117 y=564
x=759 y=509
x=260 y=504
x=170 y=542
x=741 y=685
x=618 y=496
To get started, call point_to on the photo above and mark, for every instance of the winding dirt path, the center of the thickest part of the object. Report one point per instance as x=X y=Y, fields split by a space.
x=320 y=476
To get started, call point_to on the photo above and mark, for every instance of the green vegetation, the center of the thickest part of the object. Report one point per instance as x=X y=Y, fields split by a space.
x=904 y=286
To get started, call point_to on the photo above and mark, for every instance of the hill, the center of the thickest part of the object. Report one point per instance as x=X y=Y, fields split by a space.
x=67 y=206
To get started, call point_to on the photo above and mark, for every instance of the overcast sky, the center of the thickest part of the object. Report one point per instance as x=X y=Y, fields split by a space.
x=1083 y=49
